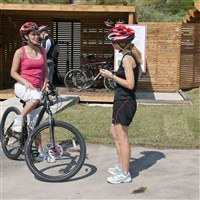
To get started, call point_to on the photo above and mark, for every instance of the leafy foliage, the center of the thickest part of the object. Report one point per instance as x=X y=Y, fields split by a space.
x=161 y=10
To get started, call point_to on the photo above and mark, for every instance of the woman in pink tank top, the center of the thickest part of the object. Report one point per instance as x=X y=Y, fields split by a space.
x=29 y=69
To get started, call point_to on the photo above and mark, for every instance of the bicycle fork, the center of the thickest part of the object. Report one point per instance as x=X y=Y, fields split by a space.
x=51 y=128
x=51 y=147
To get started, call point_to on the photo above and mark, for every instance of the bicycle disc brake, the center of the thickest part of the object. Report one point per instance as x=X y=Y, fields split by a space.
x=54 y=154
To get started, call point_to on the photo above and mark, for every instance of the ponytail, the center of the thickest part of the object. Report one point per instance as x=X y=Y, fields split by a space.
x=135 y=51
x=137 y=54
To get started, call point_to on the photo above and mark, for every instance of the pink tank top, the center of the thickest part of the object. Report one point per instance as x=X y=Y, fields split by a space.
x=32 y=70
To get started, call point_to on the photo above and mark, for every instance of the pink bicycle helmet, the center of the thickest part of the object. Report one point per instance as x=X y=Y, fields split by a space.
x=120 y=33
x=43 y=28
x=27 y=28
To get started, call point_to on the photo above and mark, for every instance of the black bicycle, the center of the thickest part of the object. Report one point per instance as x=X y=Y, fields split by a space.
x=63 y=146
x=89 y=76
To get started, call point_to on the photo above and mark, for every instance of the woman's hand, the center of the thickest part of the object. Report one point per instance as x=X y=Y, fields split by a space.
x=44 y=87
x=29 y=86
x=105 y=73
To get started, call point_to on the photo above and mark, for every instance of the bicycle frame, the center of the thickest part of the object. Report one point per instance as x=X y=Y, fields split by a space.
x=91 y=68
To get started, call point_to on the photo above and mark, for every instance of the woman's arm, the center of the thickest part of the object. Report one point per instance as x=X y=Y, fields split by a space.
x=15 y=68
x=45 y=72
x=128 y=64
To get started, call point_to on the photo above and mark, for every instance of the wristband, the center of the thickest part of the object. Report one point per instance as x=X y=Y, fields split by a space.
x=111 y=76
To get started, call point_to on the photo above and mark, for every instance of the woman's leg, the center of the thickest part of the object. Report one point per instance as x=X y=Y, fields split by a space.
x=124 y=147
x=30 y=105
x=115 y=138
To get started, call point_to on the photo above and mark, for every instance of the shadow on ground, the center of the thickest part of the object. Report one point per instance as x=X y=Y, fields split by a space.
x=148 y=159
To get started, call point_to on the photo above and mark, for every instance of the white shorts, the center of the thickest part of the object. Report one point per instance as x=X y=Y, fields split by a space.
x=26 y=95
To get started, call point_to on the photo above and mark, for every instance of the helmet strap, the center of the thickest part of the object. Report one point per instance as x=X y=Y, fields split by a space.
x=32 y=45
x=122 y=46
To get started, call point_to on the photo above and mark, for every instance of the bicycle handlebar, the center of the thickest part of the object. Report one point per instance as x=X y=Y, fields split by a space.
x=51 y=89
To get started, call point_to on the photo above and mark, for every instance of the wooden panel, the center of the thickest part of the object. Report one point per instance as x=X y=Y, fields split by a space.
x=93 y=37
x=197 y=5
x=6 y=94
x=68 y=32
x=196 y=68
x=64 y=8
x=131 y=18
x=190 y=56
x=163 y=57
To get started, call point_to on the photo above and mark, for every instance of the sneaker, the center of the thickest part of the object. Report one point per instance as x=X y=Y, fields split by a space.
x=115 y=170
x=41 y=155
x=120 y=178
x=18 y=123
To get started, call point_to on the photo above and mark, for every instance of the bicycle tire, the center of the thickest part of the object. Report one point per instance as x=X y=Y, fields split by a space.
x=109 y=84
x=75 y=79
x=69 y=161
x=90 y=78
x=12 y=151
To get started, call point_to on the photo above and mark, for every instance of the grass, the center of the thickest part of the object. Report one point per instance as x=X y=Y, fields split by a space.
x=161 y=126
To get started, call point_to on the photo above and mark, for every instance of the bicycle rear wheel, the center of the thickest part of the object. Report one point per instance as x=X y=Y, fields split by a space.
x=75 y=79
x=109 y=84
x=60 y=162
x=10 y=141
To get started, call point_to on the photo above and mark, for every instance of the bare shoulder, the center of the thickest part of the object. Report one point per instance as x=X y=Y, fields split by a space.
x=129 y=61
x=19 y=52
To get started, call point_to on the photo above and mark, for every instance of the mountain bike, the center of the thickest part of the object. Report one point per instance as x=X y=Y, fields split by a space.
x=62 y=144
x=89 y=76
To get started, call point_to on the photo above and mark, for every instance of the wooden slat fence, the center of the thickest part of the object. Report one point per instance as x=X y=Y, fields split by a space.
x=190 y=56
x=163 y=57
x=93 y=33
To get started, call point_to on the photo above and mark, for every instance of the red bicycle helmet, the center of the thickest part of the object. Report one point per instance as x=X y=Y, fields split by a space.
x=43 y=28
x=27 y=28
x=120 y=34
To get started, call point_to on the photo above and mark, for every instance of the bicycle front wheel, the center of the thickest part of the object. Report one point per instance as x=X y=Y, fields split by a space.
x=59 y=162
x=75 y=79
x=10 y=141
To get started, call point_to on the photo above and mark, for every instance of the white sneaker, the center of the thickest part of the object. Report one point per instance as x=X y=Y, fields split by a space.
x=41 y=155
x=18 y=123
x=120 y=178
x=115 y=170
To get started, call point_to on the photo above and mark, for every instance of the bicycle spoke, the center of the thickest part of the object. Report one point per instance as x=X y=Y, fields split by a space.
x=75 y=79
x=56 y=161
x=11 y=141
